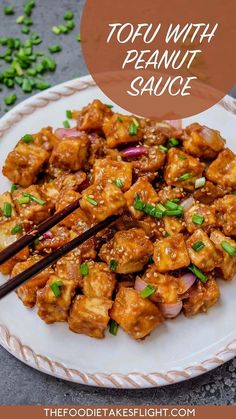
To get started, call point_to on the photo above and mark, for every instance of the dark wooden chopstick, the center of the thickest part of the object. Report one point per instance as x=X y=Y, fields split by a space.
x=37 y=232
x=15 y=282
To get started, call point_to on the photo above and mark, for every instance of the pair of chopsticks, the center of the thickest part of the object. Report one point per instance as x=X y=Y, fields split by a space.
x=42 y=228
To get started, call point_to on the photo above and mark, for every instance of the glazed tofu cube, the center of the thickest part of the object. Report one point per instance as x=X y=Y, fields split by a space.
x=63 y=184
x=102 y=200
x=57 y=237
x=38 y=207
x=173 y=225
x=207 y=258
x=167 y=193
x=89 y=316
x=66 y=199
x=209 y=193
x=79 y=222
x=122 y=129
x=228 y=264
x=200 y=216
x=157 y=133
x=150 y=162
x=7 y=238
x=136 y=315
x=223 y=170
x=24 y=163
x=128 y=250
x=100 y=282
x=145 y=192
x=203 y=142
x=68 y=267
x=54 y=300
x=45 y=138
x=6 y=198
x=201 y=297
x=153 y=227
x=182 y=170
x=171 y=253
x=226 y=214
x=28 y=291
x=70 y=153
x=92 y=117
x=119 y=172
x=168 y=288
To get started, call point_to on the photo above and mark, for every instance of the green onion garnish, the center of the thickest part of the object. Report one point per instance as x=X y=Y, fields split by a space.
x=17 y=229
x=56 y=30
x=133 y=129
x=113 y=265
x=7 y=209
x=54 y=48
x=120 y=119
x=161 y=208
x=10 y=100
x=84 y=269
x=69 y=15
x=20 y=20
x=197 y=246
x=69 y=114
x=171 y=205
x=42 y=85
x=91 y=201
x=14 y=187
x=25 y=30
x=174 y=213
x=147 y=291
x=70 y=25
x=136 y=123
x=66 y=124
x=28 y=138
x=108 y=105
x=146 y=208
x=173 y=142
x=166 y=234
x=199 y=183
x=55 y=287
x=113 y=328
x=198 y=219
x=34 y=198
x=184 y=177
x=118 y=182
x=199 y=274
x=231 y=250
x=150 y=260
x=163 y=148
x=8 y=10
x=23 y=200
x=78 y=37
x=182 y=157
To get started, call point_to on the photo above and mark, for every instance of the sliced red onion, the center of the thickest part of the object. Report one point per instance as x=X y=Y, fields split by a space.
x=186 y=281
x=134 y=151
x=213 y=138
x=170 y=311
x=176 y=123
x=67 y=133
x=187 y=203
x=47 y=235
x=140 y=285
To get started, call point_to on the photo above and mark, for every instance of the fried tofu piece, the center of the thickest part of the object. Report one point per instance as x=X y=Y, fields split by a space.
x=207 y=212
x=24 y=163
x=150 y=162
x=146 y=193
x=121 y=129
x=92 y=117
x=66 y=199
x=201 y=297
x=130 y=250
x=171 y=253
x=136 y=315
x=156 y=133
x=153 y=227
x=6 y=198
x=65 y=182
x=68 y=267
x=45 y=138
x=223 y=170
x=209 y=193
x=102 y=200
x=206 y=259
x=203 y=142
x=100 y=282
x=182 y=171
x=52 y=308
x=116 y=171
x=89 y=316
x=33 y=211
x=80 y=222
x=28 y=291
x=226 y=214
x=7 y=238
x=70 y=153
x=173 y=225
x=168 y=288
x=228 y=264
x=57 y=237
x=167 y=193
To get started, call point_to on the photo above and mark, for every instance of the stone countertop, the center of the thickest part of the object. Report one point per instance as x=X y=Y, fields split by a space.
x=21 y=385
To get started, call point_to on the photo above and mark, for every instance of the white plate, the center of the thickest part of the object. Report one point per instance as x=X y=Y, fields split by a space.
x=178 y=350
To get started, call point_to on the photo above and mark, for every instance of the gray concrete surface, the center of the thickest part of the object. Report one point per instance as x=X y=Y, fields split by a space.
x=21 y=385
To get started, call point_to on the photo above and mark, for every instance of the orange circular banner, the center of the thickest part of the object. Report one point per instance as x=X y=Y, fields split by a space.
x=159 y=59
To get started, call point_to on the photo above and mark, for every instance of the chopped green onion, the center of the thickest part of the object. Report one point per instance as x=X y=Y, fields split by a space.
x=84 y=269
x=161 y=208
x=70 y=25
x=78 y=37
x=118 y=182
x=10 y=100
x=69 y=114
x=163 y=149
x=20 y=20
x=27 y=86
x=175 y=200
x=54 y=48
x=166 y=234
x=171 y=205
x=120 y=119
x=199 y=183
x=31 y=72
x=63 y=28
x=173 y=142
x=25 y=30
x=23 y=200
x=66 y=124
x=198 y=219
x=182 y=157
x=49 y=64
x=133 y=129
x=34 y=198
x=68 y=15
x=113 y=265
x=55 y=287
x=150 y=260
x=147 y=291
x=174 y=213
x=17 y=229
x=92 y=201
x=28 y=7
x=18 y=68
x=42 y=85
x=56 y=30
x=28 y=138
x=147 y=208
x=184 y=177
x=231 y=250
x=197 y=246
x=136 y=123
x=113 y=328
x=14 y=187
x=8 y=10
x=7 y=209
x=199 y=274
x=109 y=106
